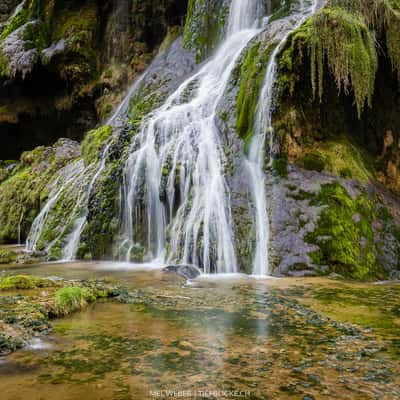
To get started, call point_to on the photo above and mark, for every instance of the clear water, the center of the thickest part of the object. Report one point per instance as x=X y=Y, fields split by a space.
x=227 y=334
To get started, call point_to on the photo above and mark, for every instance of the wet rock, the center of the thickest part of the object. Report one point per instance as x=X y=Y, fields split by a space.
x=9 y=344
x=20 y=53
x=187 y=271
x=301 y=274
x=334 y=275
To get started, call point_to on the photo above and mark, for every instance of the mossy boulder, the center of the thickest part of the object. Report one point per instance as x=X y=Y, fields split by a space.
x=7 y=256
x=18 y=282
x=345 y=234
x=27 y=187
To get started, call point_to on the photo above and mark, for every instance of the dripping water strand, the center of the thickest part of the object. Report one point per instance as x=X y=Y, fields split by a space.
x=256 y=156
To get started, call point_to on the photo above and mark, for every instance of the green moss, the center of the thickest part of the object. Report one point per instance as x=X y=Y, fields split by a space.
x=94 y=142
x=314 y=162
x=345 y=173
x=24 y=191
x=24 y=282
x=283 y=11
x=30 y=10
x=76 y=22
x=68 y=300
x=173 y=33
x=346 y=244
x=35 y=36
x=342 y=158
x=342 y=42
x=147 y=99
x=251 y=73
x=382 y=16
x=4 y=68
x=21 y=18
x=280 y=167
x=7 y=256
x=204 y=27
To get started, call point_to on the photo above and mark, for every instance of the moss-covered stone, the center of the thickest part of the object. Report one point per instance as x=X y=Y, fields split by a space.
x=205 y=25
x=341 y=41
x=280 y=166
x=314 y=162
x=26 y=188
x=345 y=235
x=27 y=12
x=93 y=143
x=24 y=282
x=251 y=73
x=7 y=256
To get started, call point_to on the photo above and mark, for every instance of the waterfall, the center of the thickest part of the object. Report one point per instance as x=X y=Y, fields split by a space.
x=244 y=15
x=116 y=121
x=67 y=176
x=178 y=156
x=175 y=201
x=263 y=127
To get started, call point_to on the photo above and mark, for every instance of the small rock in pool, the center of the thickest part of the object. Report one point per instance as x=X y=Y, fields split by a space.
x=187 y=271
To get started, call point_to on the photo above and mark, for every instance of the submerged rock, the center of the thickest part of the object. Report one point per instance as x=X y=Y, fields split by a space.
x=187 y=271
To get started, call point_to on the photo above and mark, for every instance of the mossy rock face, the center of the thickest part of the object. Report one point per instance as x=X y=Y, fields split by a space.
x=314 y=162
x=345 y=235
x=65 y=50
x=93 y=142
x=251 y=74
x=26 y=188
x=103 y=218
x=205 y=25
x=341 y=41
x=331 y=75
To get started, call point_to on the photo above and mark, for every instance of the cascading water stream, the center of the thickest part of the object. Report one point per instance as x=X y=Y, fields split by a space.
x=178 y=156
x=73 y=171
x=175 y=198
x=116 y=121
x=263 y=126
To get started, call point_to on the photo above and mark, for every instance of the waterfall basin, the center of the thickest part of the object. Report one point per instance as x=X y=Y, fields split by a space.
x=264 y=337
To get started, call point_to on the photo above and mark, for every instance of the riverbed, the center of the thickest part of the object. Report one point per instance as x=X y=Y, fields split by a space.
x=214 y=337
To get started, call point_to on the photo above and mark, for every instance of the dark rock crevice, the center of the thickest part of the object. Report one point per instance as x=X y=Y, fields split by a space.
x=103 y=46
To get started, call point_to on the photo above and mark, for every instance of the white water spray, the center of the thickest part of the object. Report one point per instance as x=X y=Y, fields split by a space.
x=178 y=156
